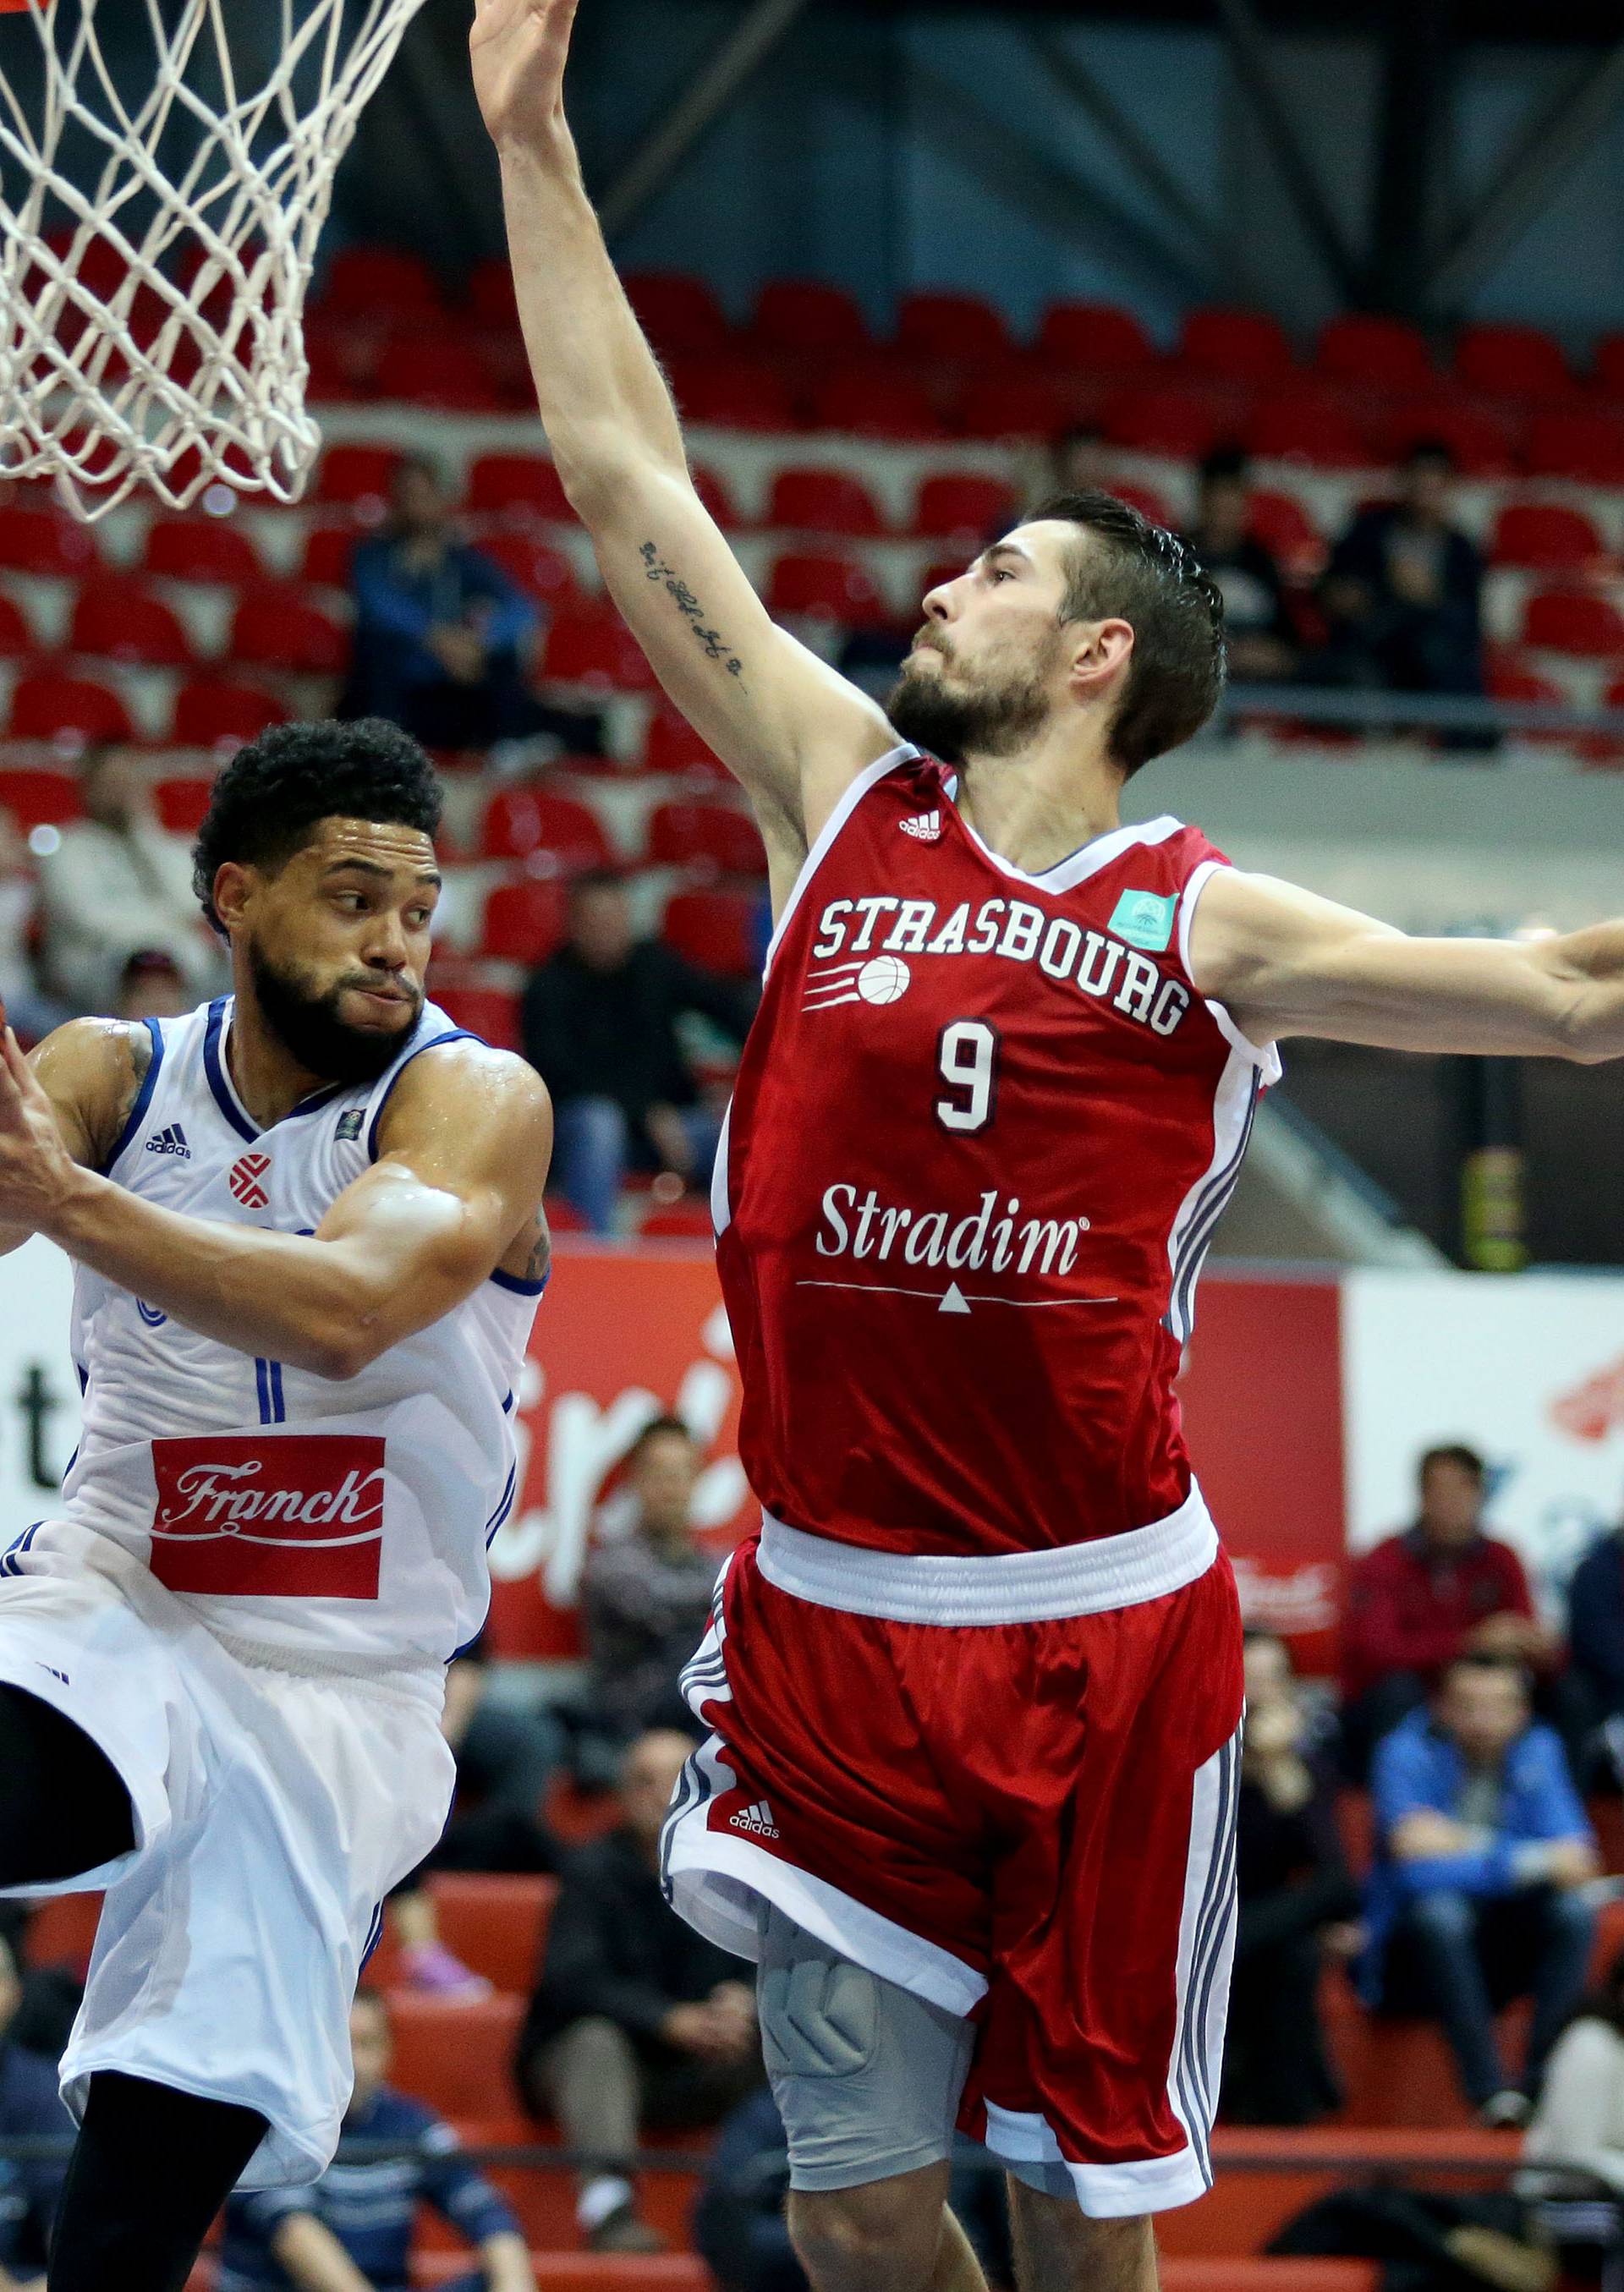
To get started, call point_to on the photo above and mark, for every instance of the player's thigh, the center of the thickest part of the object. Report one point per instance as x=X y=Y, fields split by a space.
x=866 y=2077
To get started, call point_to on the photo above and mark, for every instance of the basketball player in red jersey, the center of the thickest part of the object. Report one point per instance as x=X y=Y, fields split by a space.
x=974 y=1691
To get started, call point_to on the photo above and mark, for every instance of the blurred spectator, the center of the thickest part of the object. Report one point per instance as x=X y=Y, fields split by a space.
x=646 y=1593
x=505 y=1758
x=118 y=885
x=1441 y=1588
x=1595 y=1640
x=1402 y=593
x=35 y=2019
x=443 y=637
x=1298 y=1903
x=637 y=2020
x=1574 y=2152
x=352 y=2229
x=738 y=2225
x=1080 y=461
x=601 y=1028
x=1481 y=1889
x=150 y=987
x=1262 y=641
x=32 y=1013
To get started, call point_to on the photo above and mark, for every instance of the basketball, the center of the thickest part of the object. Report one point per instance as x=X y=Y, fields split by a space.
x=883 y=979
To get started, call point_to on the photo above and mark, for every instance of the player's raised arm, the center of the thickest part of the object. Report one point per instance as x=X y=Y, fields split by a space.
x=1286 y=962
x=792 y=729
x=454 y=1194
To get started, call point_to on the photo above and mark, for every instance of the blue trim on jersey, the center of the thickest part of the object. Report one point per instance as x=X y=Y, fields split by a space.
x=143 y=1096
x=224 y=1097
x=507 y=1405
x=262 y=1381
x=506 y=1506
x=374 y=1935
x=14 y=1551
x=519 y=1288
x=276 y=1400
x=451 y=1035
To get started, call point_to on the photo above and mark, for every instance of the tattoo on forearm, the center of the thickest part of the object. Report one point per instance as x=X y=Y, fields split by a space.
x=717 y=646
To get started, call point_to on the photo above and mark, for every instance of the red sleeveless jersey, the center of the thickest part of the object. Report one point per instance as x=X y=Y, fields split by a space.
x=982 y=1131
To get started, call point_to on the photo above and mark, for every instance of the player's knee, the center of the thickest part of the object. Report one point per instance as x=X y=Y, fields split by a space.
x=881 y=2236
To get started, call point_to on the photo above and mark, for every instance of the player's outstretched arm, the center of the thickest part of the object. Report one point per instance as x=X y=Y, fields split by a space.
x=794 y=730
x=454 y=1194
x=1286 y=962
x=91 y=1071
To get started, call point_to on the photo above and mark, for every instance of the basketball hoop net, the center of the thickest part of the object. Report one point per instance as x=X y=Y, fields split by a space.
x=162 y=187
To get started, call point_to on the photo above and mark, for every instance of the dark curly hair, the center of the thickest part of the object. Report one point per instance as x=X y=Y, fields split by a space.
x=1146 y=576
x=274 y=791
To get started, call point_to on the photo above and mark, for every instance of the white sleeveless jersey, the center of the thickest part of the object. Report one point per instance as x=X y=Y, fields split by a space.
x=345 y=1520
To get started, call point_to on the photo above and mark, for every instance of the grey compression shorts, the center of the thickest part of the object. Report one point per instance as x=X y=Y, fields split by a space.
x=866 y=2076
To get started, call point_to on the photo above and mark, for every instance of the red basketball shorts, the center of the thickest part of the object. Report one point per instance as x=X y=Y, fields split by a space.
x=1007 y=1785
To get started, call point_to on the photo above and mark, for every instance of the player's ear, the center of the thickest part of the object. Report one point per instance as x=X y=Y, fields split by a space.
x=233 y=889
x=1100 y=653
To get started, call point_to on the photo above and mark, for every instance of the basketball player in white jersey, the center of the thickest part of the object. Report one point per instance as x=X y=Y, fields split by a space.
x=308 y=1242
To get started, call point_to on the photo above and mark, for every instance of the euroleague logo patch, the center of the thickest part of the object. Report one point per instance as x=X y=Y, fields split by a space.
x=244 y=1181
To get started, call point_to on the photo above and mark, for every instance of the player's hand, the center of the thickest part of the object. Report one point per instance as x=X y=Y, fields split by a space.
x=518 y=49
x=36 y=1168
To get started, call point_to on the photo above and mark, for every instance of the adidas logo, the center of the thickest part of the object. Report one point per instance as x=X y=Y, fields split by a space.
x=757 y=1818
x=925 y=827
x=172 y=1140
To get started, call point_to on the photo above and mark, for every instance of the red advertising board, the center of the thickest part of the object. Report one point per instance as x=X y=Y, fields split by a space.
x=623 y=1333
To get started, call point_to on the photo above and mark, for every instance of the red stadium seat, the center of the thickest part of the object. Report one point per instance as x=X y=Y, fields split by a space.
x=1608 y=364
x=1588 y=445
x=937 y=325
x=716 y=835
x=377 y=282
x=712 y=488
x=442 y=371
x=215 y=713
x=17 y=640
x=491 y=1013
x=589 y=643
x=733 y=393
x=1096 y=337
x=681 y=317
x=719 y=929
x=1507 y=682
x=491 y=299
x=1574 y=621
x=524 y=920
x=120 y=619
x=1546 y=536
x=672 y=746
x=1483 y=443
x=820 y=586
x=1236 y=346
x=959 y=505
x=181 y=801
x=43 y=540
x=48 y=705
x=39 y=799
x=1171 y=422
x=510 y=485
x=496 y=1925
x=1376 y=352
x=1016 y=404
x=329 y=551
x=807 y=319
x=275 y=627
x=1298 y=426
x=541 y=572
x=823 y=500
x=1285 y=527
x=1512 y=362
x=1145 y=499
x=519 y=821
x=874 y=400
x=62 y=1930
x=201 y=549
x=456 y=2055
x=358 y=476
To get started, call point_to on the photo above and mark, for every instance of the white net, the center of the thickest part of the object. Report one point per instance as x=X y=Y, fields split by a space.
x=166 y=169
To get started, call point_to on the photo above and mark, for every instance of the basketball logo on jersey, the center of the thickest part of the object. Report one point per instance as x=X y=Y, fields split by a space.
x=244 y=1181
x=299 y=1515
x=883 y=978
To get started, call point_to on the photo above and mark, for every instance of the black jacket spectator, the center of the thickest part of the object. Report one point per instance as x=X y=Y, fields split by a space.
x=612 y=1033
x=1403 y=592
x=1262 y=641
x=1595 y=1623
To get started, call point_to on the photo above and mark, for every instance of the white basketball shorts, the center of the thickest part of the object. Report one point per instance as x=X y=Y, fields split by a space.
x=277 y=1801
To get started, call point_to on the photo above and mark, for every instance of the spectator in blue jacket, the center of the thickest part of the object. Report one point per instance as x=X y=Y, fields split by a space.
x=353 y=2228
x=1481 y=1890
x=444 y=638
x=35 y=2019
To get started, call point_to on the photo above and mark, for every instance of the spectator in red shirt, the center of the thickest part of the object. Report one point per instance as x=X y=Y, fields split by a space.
x=1441 y=1589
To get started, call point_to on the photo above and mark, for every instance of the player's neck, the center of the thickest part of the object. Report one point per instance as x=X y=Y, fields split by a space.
x=267 y=1078
x=1036 y=809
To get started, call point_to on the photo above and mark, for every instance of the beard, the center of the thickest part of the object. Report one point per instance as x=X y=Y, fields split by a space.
x=310 y=1028
x=993 y=718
